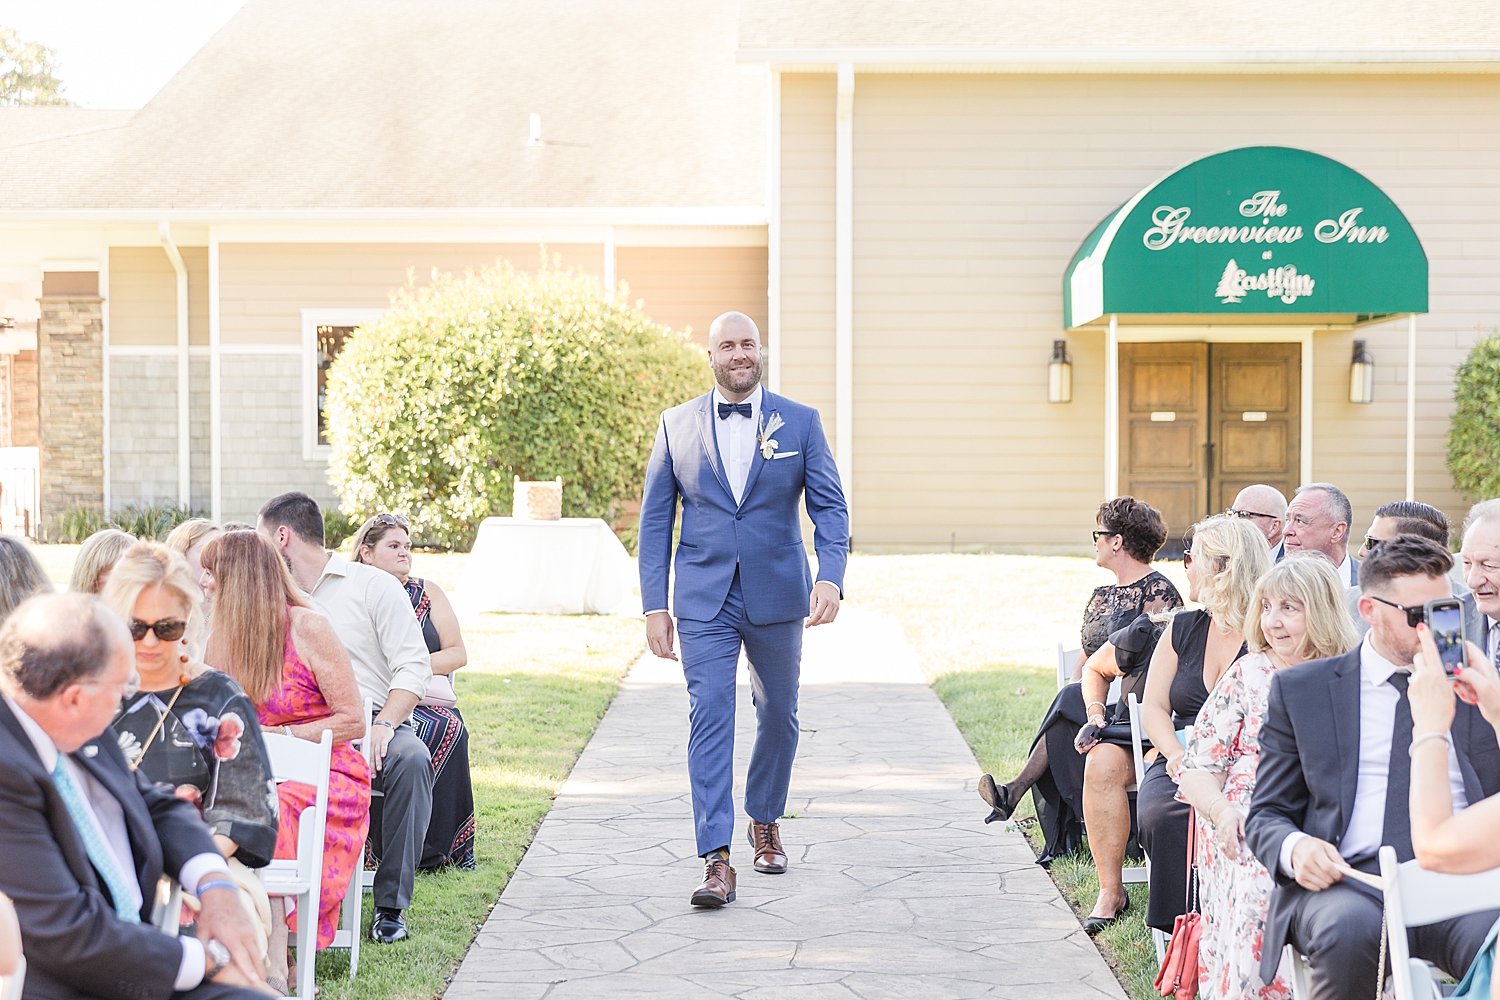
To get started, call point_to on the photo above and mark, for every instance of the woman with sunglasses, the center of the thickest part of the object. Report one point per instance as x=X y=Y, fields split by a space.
x=190 y=726
x=384 y=541
x=293 y=667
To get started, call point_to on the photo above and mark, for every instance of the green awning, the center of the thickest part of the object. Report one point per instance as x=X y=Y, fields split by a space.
x=1259 y=233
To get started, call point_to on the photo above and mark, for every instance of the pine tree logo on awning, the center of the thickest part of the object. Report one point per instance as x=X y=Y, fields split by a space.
x=1282 y=283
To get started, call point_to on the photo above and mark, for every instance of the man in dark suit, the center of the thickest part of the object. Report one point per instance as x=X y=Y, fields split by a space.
x=1318 y=520
x=86 y=839
x=1333 y=784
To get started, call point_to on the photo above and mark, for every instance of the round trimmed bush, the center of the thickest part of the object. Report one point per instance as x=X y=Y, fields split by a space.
x=435 y=408
x=1474 y=431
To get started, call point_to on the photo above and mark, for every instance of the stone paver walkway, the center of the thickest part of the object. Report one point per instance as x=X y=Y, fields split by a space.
x=897 y=889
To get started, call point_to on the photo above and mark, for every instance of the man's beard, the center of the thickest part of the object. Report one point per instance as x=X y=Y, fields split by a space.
x=737 y=379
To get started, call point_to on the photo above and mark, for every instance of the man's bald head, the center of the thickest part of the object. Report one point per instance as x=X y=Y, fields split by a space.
x=1266 y=509
x=53 y=641
x=734 y=325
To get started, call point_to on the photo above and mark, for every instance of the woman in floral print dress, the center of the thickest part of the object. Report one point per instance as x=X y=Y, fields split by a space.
x=1302 y=616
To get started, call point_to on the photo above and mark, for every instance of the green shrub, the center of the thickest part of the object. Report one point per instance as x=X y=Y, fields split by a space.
x=152 y=520
x=467 y=383
x=337 y=526
x=76 y=524
x=1474 y=431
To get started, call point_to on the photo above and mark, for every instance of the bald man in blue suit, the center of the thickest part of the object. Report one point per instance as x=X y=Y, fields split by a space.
x=740 y=459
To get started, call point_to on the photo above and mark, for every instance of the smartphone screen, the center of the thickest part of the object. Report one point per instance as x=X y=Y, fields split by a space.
x=1446 y=619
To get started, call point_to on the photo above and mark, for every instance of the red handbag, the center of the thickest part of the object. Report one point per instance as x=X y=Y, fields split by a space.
x=1179 y=968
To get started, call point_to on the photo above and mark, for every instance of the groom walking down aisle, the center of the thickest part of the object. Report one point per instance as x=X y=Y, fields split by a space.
x=739 y=458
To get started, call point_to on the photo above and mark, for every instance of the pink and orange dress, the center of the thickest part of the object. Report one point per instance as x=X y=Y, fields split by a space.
x=298 y=701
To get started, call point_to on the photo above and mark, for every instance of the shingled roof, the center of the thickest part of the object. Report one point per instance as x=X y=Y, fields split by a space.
x=396 y=104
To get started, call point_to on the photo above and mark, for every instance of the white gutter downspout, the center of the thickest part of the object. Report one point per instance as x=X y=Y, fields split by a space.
x=184 y=413
x=1411 y=408
x=1112 y=410
x=215 y=389
x=843 y=284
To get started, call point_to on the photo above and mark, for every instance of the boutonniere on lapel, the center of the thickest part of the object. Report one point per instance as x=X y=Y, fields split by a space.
x=767 y=428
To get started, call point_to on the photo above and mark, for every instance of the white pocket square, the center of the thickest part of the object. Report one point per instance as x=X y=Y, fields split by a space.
x=784 y=454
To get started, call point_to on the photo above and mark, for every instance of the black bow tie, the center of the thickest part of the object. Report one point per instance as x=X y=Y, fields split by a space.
x=725 y=409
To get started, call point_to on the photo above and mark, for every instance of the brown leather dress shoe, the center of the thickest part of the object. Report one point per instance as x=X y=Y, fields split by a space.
x=718 y=884
x=765 y=839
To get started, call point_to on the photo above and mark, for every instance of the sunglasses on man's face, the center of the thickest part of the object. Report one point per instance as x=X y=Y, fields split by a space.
x=1371 y=544
x=167 y=630
x=1415 y=614
x=1236 y=512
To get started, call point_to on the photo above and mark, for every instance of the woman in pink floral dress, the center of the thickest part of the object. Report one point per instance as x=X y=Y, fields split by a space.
x=1302 y=616
x=290 y=662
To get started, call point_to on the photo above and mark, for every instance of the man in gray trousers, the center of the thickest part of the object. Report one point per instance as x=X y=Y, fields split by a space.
x=373 y=617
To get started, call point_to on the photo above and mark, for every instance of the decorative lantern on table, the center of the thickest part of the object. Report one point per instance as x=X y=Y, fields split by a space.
x=538 y=501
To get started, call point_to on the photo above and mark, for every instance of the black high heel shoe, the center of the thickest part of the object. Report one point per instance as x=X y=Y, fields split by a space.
x=996 y=796
x=1093 y=925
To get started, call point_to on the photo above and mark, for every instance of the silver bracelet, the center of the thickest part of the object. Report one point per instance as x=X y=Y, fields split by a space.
x=1417 y=741
x=1099 y=703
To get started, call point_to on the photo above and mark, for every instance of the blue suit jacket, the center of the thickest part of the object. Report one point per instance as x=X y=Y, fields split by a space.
x=762 y=535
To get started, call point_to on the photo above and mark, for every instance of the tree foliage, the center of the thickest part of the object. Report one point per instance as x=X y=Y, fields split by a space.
x=469 y=382
x=1474 y=432
x=28 y=72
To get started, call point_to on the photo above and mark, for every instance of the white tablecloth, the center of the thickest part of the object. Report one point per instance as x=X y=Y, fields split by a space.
x=568 y=567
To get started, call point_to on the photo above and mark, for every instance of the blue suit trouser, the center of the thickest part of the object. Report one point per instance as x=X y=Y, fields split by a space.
x=710 y=658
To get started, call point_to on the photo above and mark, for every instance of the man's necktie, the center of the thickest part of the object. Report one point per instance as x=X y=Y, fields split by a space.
x=1397 y=832
x=725 y=409
x=99 y=853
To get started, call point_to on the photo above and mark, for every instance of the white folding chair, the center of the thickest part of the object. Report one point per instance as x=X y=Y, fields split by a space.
x=1067 y=659
x=1415 y=897
x=302 y=877
x=166 y=911
x=367 y=878
x=1301 y=984
x=1158 y=938
x=351 y=931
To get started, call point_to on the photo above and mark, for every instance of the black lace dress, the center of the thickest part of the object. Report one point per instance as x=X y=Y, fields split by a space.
x=1113 y=613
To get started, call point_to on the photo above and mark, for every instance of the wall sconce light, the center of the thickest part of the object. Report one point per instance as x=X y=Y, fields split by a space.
x=1060 y=374
x=1361 y=375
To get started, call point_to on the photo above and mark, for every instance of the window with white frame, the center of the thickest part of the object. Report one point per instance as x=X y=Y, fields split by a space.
x=325 y=332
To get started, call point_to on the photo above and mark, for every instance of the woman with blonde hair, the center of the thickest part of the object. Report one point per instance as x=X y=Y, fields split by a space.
x=1298 y=613
x=1227 y=558
x=190 y=726
x=292 y=665
x=20 y=575
x=99 y=553
x=188 y=539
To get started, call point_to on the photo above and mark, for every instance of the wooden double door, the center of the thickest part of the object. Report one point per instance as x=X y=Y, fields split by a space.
x=1199 y=422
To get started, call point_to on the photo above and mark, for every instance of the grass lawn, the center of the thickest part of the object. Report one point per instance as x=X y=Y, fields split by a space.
x=986 y=627
x=535 y=688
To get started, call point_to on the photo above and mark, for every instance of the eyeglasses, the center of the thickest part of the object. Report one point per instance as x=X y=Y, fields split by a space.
x=391 y=521
x=1414 y=615
x=1187 y=558
x=128 y=688
x=1104 y=534
x=1236 y=512
x=167 y=630
x=1371 y=544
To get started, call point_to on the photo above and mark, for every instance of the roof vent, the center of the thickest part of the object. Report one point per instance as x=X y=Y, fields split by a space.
x=536 y=131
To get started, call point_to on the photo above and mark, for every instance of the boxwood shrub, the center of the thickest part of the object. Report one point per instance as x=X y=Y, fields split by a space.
x=473 y=380
x=1474 y=432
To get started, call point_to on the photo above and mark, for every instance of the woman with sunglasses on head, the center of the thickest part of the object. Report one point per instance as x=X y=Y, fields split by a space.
x=1227 y=558
x=293 y=667
x=384 y=541
x=1066 y=775
x=190 y=726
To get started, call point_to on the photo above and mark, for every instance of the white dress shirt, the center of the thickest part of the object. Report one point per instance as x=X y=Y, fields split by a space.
x=1377 y=722
x=1349 y=574
x=735 y=435
x=373 y=616
x=108 y=817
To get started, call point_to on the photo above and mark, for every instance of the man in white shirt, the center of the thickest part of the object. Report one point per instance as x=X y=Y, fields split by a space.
x=1481 y=562
x=86 y=839
x=1317 y=520
x=1264 y=507
x=1333 y=784
x=374 y=619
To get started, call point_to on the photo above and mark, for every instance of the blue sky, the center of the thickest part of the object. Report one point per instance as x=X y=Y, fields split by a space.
x=118 y=53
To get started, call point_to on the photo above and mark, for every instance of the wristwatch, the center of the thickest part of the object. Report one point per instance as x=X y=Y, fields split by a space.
x=220 y=957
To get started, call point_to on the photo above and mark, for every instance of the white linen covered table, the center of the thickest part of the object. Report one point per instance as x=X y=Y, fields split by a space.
x=572 y=566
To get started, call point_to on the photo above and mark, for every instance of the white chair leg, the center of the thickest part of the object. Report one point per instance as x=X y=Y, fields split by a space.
x=307 y=945
x=353 y=899
x=1160 y=941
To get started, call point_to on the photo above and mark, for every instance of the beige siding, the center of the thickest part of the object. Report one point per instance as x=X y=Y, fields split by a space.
x=263 y=287
x=688 y=286
x=807 y=108
x=972 y=193
x=143 y=296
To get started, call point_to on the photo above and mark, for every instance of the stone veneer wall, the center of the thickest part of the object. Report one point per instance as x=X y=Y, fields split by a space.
x=70 y=375
x=143 y=429
x=262 y=427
